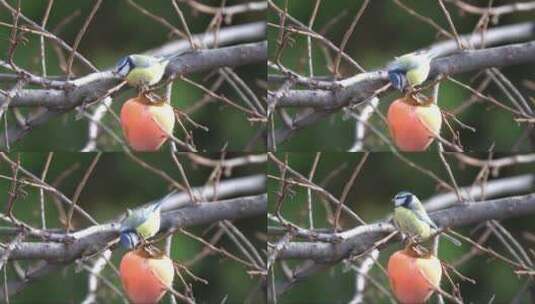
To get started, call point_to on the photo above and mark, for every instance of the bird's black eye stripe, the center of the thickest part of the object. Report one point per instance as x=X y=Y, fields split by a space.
x=408 y=199
x=125 y=61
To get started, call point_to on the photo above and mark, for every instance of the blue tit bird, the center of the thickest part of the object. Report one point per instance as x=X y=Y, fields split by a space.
x=409 y=70
x=140 y=225
x=412 y=220
x=142 y=71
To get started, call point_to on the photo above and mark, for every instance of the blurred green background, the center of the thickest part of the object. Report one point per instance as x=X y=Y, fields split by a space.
x=385 y=31
x=118 y=30
x=381 y=177
x=118 y=183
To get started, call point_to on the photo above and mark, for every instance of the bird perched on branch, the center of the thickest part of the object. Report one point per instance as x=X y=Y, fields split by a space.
x=140 y=225
x=142 y=71
x=412 y=220
x=409 y=70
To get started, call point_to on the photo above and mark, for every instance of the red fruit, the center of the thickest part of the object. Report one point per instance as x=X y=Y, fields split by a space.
x=412 y=278
x=146 y=125
x=412 y=126
x=145 y=279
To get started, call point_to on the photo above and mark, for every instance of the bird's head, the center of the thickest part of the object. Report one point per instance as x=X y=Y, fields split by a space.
x=397 y=79
x=403 y=199
x=124 y=66
x=129 y=239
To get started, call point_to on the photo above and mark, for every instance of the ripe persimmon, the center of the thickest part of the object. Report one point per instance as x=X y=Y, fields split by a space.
x=413 y=126
x=145 y=278
x=413 y=278
x=146 y=125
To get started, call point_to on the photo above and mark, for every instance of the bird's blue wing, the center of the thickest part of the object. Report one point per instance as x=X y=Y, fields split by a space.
x=422 y=215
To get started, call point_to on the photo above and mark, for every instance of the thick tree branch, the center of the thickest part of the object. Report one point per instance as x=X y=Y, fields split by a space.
x=362 y=238
x=357 y=88
x=469 y=61
x=95 y=238
x=232 y=56
x=93 y=86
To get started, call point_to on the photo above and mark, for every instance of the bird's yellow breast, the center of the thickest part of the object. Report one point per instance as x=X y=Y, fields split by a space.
x=148 y=76
x=409 y=224
x=418 y=75
x=150 y=227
